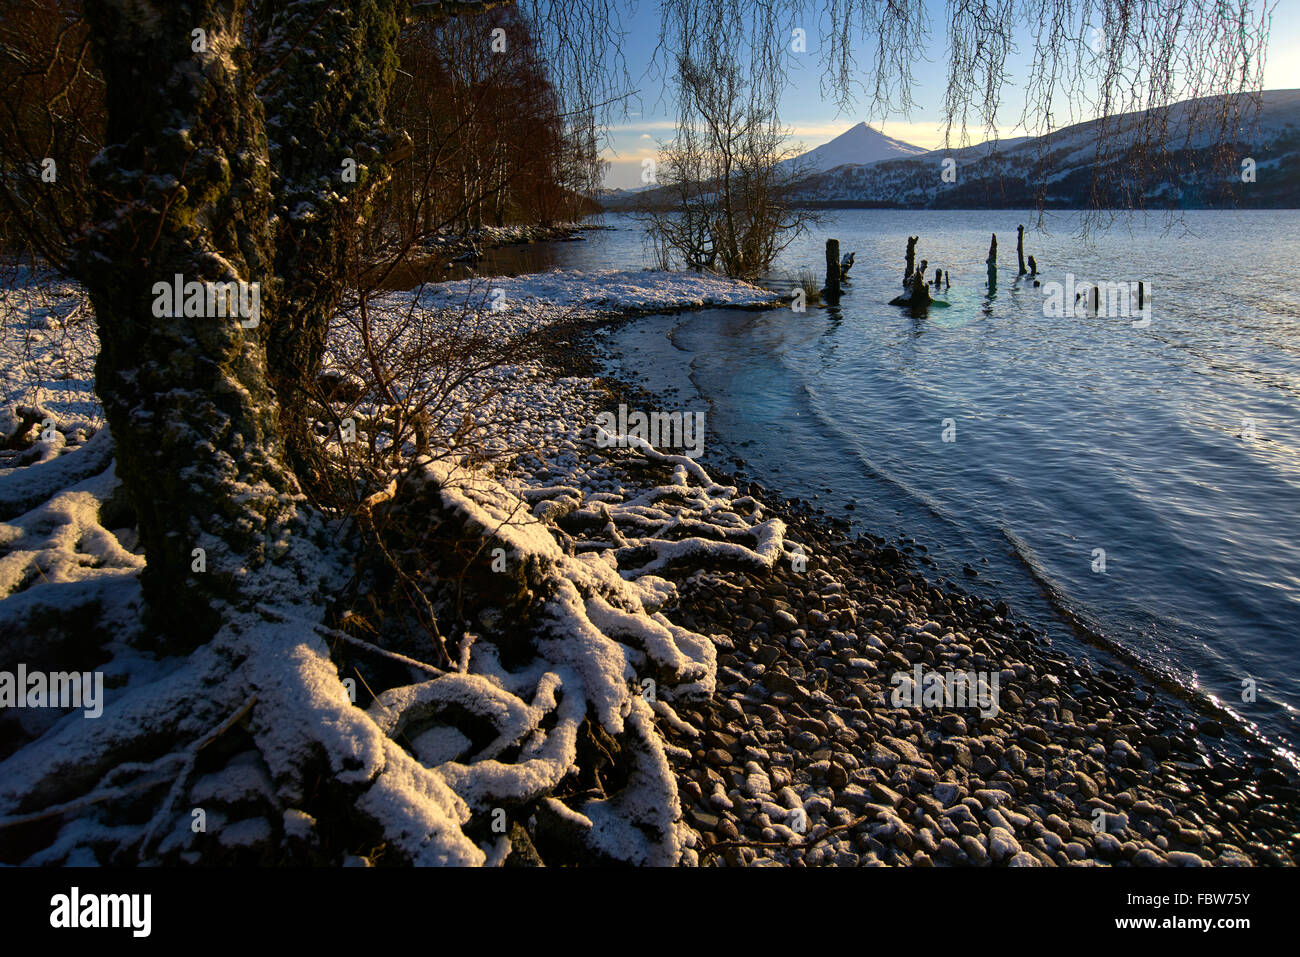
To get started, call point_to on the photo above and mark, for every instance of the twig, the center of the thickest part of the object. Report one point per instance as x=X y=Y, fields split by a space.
x=329 y=632
x=375 y=649
x=188 y=767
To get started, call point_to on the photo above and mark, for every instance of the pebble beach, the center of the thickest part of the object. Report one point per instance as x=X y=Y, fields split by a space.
x=801 y=758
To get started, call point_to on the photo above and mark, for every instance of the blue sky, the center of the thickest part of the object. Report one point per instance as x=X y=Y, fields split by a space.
x=813 y=121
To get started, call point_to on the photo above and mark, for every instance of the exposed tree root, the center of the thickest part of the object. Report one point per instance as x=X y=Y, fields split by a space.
x=549 y=717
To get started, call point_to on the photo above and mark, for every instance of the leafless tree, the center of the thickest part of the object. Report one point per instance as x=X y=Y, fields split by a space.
x=1085 y=58
x=728 y=175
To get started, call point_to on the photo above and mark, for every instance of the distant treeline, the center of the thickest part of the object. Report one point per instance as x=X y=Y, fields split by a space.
x=490 y=143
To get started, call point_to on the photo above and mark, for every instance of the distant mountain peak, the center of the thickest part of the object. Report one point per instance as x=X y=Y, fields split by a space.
x=1060 y=168
x=857 y=146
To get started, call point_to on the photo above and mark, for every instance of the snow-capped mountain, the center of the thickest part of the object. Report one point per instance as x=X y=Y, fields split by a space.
x=1111 y=162
x=857 y=146
x=1100 y=162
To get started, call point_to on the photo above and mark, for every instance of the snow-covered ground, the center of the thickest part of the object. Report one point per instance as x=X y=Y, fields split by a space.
x=48 y=346
x=612 y=290
x=49 y=491
x=47 y=352
x=602 y=636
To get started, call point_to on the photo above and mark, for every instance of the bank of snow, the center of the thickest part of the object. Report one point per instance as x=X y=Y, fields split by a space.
x=608 y=290
x=603 y=633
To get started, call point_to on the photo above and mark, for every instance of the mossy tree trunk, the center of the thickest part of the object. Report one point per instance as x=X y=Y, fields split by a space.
x=329 y=147
x=183 y=189
x=221 y=169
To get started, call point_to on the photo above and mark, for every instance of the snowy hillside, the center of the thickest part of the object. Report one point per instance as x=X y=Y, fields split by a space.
x=1111 y=162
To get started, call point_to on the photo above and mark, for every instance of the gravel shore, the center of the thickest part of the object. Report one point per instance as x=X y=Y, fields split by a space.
x=657 y=663
x=804 y=757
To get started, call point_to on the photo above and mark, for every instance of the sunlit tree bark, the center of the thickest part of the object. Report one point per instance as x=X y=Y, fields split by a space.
x=184 y=190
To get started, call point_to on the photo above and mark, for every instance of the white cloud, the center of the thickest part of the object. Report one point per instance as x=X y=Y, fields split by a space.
x=636 y=127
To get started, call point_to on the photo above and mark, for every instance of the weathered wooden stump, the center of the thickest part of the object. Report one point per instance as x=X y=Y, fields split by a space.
x=832 y=267
x=1020 y=248
x=992 y=263
x=917 y=295
x=911 y=259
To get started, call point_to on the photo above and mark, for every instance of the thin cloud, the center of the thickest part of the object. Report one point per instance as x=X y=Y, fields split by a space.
x=638 y=127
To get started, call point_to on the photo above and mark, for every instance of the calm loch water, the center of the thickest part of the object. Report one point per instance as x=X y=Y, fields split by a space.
x=1170 y=450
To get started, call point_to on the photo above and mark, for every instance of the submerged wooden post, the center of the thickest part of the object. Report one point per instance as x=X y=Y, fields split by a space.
x=1020 y=247
x=993 y=263
x=832 y=267
x=1142 y=294
x=1033 y=267
x=911 y=260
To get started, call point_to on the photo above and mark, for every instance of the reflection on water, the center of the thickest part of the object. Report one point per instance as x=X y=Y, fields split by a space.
x=1174 y=449
x=590 y=250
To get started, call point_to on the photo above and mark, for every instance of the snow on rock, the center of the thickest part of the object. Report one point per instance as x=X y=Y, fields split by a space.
x=1002 y=844
x=439 y=745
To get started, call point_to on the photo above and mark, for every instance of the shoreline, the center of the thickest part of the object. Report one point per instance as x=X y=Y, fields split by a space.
x=769 y=635
x=449 y=257
x=1081 y=765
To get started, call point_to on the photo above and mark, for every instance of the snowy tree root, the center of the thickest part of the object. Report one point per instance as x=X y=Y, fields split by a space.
x=548 y=719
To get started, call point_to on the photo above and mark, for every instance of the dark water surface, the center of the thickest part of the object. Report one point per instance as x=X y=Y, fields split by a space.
x=1173 y=447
